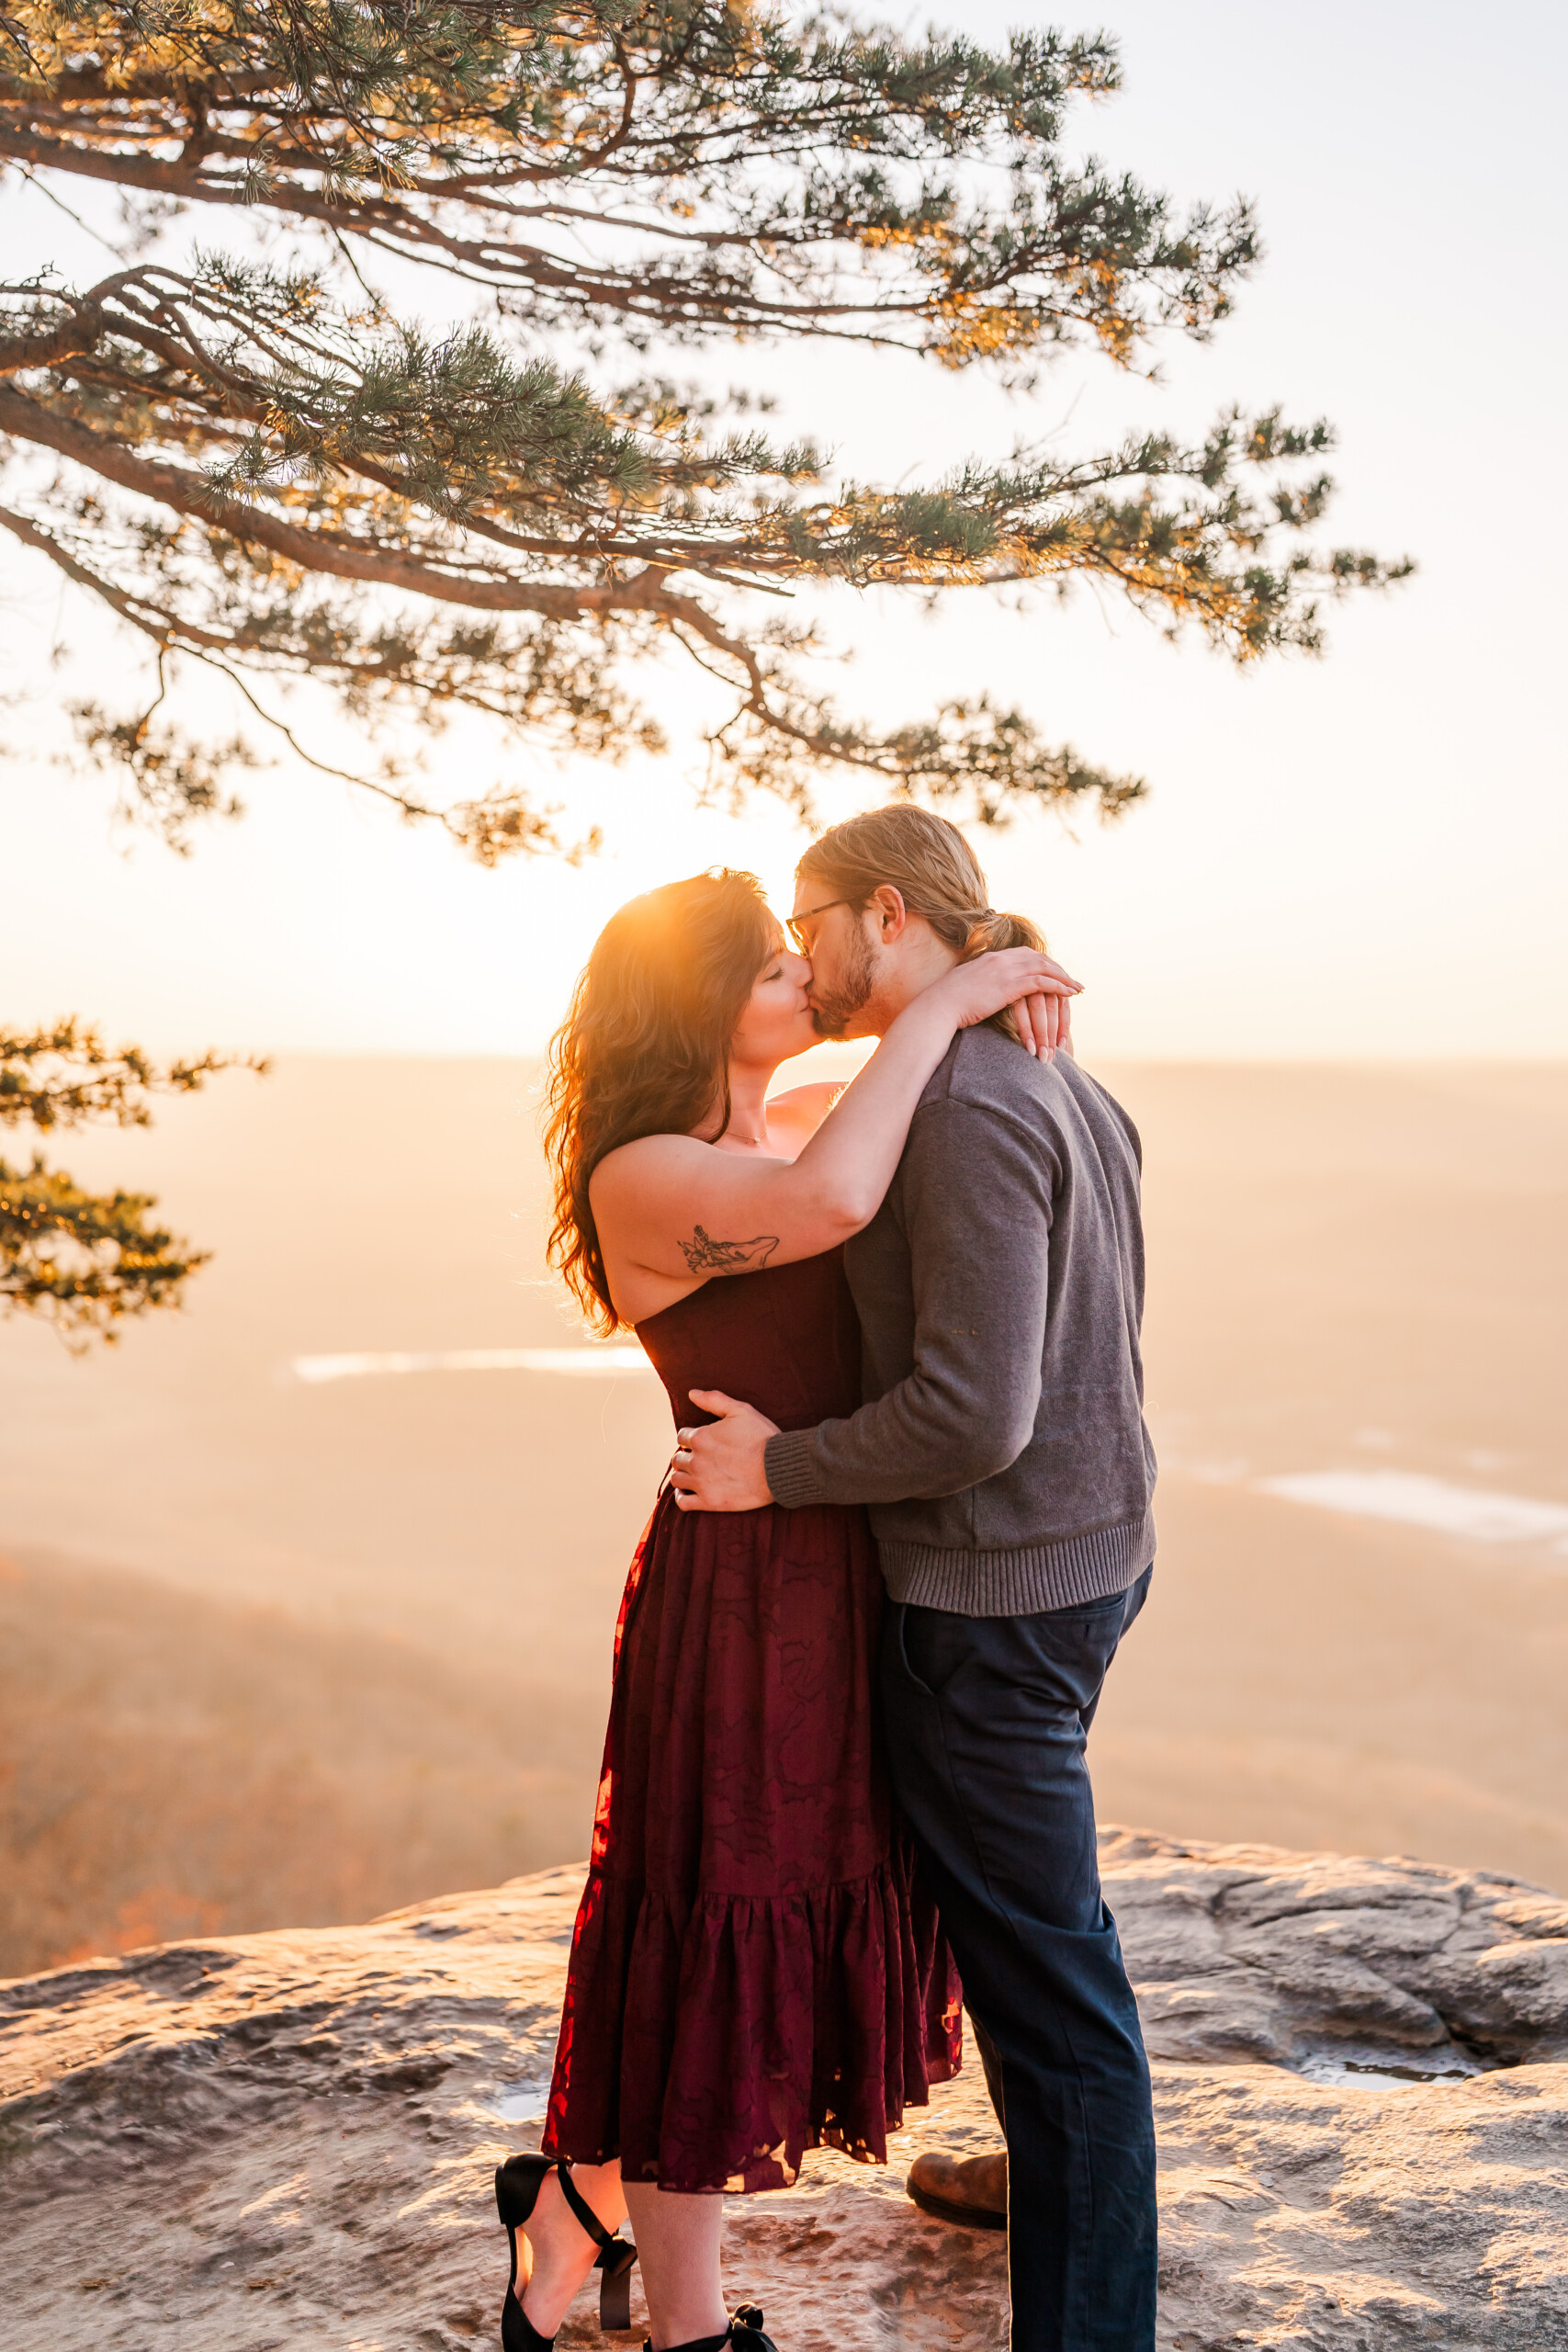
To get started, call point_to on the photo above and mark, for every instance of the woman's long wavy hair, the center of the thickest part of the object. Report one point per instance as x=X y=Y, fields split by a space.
x=643 y=1050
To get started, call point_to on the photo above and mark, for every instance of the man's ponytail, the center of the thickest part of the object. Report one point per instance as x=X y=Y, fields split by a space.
x=987 y=931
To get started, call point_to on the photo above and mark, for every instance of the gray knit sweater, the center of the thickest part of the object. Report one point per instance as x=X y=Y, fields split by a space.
x=1001 y=1447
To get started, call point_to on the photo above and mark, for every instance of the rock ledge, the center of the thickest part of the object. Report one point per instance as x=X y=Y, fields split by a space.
x=285 y=2140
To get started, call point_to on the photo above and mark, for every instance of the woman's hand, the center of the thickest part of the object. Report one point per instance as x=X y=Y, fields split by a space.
x=1036 y=986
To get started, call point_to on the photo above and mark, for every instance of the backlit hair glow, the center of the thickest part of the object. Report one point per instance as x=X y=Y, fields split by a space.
x=643 y=1050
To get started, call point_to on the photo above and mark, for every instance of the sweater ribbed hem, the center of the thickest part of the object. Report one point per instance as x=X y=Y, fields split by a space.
x=1024 y=1580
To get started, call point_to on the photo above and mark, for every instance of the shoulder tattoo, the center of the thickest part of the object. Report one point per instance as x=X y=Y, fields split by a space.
x=707 y=1256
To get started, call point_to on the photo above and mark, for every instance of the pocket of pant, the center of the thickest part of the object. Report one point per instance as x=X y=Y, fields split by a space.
x=933 y=1674
x=906 y=1663
x=1085 y=1612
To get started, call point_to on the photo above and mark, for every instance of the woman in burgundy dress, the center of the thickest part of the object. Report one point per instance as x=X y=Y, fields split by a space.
x=754 y=1971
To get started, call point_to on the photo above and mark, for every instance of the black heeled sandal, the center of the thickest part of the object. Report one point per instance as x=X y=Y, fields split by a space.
x=744 y=2334
x=517 y=2185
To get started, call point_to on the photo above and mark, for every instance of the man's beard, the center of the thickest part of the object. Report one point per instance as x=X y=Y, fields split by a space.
x=832 y=1009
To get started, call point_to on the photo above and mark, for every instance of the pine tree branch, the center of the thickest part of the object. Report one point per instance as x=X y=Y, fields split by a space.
x=66 y=1076
x=85 y=1262
x=415 y=128
x=260 y=480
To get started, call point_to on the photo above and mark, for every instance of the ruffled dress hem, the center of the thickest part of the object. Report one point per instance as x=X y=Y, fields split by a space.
x=751 y=2028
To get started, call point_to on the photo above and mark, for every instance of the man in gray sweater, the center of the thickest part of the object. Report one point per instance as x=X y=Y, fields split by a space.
x=1003 y=1454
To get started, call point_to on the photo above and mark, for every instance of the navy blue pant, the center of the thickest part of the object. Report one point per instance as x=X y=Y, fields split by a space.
x=986 y=1719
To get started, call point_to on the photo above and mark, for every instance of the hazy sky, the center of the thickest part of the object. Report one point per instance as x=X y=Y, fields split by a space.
x=1363 y=855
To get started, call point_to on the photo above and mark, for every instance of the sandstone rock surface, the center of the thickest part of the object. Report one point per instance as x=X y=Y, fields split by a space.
x=285 y=2140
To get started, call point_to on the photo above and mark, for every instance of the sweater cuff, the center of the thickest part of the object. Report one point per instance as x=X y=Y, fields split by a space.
x=789 y=1462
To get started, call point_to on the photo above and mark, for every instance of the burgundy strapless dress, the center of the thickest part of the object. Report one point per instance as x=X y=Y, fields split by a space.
x=755 y=1969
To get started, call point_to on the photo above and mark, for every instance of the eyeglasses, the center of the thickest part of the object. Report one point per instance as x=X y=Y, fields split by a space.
x=793 y=923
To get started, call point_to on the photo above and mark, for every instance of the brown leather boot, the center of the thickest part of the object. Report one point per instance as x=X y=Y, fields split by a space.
x=971 y=2190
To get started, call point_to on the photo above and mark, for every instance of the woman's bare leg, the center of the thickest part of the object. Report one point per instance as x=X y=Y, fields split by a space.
x=677 y=2244
x=563 y=2250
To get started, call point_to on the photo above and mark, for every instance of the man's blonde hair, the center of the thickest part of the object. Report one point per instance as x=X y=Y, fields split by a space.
x=930 y=865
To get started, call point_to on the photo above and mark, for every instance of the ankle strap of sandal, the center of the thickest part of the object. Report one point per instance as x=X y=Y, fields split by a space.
x=581 y=2211
x=745 y=2329
x=614 y=2259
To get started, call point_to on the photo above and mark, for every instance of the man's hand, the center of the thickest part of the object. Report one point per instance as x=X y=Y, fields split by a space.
x=719 y=1467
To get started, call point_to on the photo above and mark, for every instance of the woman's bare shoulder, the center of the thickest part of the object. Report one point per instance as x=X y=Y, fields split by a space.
x=646 y=1161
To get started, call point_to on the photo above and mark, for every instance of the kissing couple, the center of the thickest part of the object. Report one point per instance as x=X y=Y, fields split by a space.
x=907 y=1523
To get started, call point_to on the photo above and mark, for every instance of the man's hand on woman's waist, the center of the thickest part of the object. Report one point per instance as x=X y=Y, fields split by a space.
x=720 y=1465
